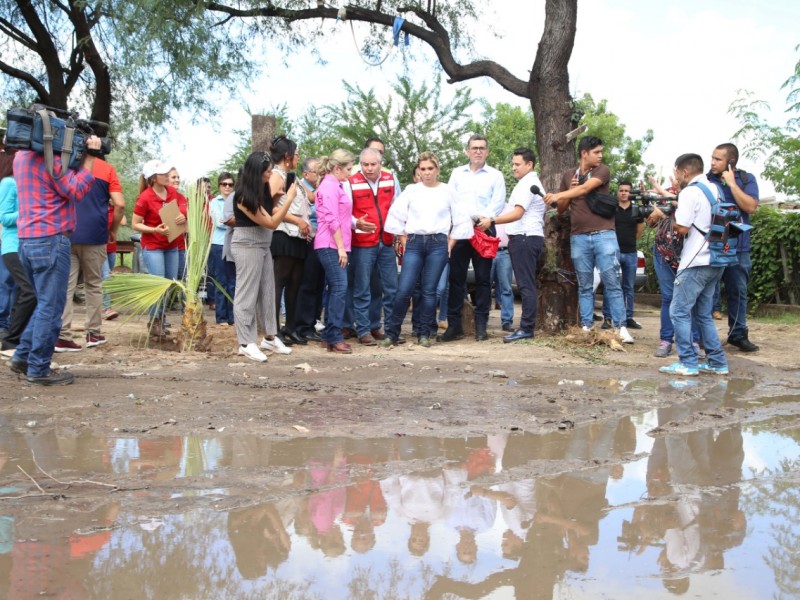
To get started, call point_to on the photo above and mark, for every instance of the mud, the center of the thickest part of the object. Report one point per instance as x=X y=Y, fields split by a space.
x=156 y=462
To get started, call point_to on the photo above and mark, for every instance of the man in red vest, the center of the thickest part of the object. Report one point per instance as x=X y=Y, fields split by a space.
x=373 y=265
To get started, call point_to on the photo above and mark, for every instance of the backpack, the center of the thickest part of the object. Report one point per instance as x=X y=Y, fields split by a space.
x=726 y=225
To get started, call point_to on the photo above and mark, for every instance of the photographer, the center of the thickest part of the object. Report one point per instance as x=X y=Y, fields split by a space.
x=46 y=222
x=667 y=247
x=629 y=225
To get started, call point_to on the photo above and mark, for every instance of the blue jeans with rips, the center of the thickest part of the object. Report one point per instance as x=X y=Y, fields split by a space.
x=693 y=299
x=598 y=249
x=47 y=262
x=502 y=276
x=424 y=260
x=374 y=283
x=336 y=279
x=736 y=278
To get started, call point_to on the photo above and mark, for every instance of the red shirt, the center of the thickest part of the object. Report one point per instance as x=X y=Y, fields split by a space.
x=147 y=206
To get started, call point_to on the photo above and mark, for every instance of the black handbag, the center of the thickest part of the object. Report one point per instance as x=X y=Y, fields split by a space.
x=603 y=205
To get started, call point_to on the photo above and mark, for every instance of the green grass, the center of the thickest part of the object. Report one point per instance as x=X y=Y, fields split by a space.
x=785 y=318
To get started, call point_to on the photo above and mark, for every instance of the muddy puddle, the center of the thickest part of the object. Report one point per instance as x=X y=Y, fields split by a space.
x=654 y=505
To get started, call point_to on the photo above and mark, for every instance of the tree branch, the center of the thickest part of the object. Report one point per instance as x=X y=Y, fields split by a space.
x=40 y=90
x=436 y=36
x=16 y=34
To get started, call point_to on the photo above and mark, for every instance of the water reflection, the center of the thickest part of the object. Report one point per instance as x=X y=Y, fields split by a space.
x=409 y=517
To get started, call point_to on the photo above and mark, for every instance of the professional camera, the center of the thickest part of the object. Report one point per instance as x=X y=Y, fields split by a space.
x=49 y=130
x=642 y=205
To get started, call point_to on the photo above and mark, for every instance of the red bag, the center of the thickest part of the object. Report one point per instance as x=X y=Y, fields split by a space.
x=484 y=244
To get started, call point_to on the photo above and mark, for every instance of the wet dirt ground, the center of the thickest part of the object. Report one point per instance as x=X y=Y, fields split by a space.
x=551 y=468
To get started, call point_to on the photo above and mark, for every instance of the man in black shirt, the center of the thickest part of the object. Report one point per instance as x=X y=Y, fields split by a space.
x=628 y=231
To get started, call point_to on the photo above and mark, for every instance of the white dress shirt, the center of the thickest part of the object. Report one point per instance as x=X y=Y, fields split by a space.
x=482 y=192
x=424 y=210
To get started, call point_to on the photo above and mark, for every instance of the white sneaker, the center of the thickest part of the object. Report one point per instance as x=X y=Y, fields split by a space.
x=586 y=328
x=252 y=352
x=318 y=326
x=625 y=336
x=275 y=345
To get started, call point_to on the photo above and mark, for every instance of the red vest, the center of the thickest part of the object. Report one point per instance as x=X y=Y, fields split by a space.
x=365 y=202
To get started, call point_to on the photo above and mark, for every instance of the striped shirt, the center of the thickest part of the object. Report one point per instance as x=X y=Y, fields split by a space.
x=47 y=205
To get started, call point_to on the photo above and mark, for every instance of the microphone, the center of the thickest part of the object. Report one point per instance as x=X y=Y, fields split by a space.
x=536 y=191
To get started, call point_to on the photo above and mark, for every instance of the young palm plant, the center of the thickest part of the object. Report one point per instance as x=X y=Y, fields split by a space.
x=134 y=294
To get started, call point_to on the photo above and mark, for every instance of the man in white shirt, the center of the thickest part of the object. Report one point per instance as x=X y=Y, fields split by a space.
x=696 y=278
x=525 y=232
x=482 y=190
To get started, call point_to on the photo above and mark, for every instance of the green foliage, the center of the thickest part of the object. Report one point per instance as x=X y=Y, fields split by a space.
x=777 y=146
x=621 y=153
x=414 y=119
x=774 y=235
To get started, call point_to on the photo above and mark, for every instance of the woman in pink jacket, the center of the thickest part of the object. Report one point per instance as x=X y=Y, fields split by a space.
x=332 y=242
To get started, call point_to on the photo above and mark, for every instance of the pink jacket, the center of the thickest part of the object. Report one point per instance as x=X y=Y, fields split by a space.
x=334 y=211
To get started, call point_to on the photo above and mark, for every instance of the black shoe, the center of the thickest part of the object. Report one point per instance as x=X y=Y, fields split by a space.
x=52 y=378
x=287 y=341
x=743 y=344
x=312 y=336
x=481 y=335
x=606 y=324
x=295 y=337
x=519 y=334
x=631 y=324
x=597 y=318
x=508 y=327
x=18 y=366
x=7 y=345
x=451 y=334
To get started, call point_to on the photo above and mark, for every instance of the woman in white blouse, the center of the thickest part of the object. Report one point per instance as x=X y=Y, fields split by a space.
x=428 y=219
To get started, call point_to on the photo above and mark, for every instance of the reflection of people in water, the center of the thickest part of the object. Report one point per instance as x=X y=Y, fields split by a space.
x=326 y=507
x=365 y=506
x=258 y=538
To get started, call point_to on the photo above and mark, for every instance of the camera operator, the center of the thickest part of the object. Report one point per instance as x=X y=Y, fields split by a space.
x=628 y=226
x=88 y=252
x=46 y=222
x=667 y=247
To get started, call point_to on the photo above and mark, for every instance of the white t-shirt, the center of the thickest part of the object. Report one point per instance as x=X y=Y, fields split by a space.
x=532 y=222
x=694 y=212
x=426 y=210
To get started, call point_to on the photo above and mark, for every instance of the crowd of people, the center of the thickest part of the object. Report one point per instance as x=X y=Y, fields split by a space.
x=285 y=244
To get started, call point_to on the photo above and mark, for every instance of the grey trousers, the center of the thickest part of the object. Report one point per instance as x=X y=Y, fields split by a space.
x=254 y=300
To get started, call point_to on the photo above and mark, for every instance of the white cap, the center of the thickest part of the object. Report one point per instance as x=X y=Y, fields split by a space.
x=155 y=167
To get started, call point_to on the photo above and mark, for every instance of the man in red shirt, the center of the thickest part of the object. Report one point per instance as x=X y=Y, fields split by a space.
x=46 y=222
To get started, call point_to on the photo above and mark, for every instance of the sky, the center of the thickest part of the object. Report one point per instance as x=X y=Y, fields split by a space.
x=673 y=67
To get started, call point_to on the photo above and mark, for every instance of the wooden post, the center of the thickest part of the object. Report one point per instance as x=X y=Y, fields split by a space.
x=263 y=130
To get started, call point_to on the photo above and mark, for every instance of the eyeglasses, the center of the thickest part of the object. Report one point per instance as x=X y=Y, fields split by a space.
x=478 y=149
x=226 y=184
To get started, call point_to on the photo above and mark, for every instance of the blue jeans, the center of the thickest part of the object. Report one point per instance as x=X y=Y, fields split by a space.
x=736 y=278
x=105 y=271
x=374 y=281
x=424 y=260
x=163 y=263
x=218 y=271
x=601 y=250
x=336 y=279
x=627 y=263
x=666 y=283
x=693 y=299
x=46 y=261
x=441 y=292
x=502 y=276
x=8 y=295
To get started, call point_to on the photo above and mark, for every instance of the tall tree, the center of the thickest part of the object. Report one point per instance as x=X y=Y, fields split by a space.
x=131 y=62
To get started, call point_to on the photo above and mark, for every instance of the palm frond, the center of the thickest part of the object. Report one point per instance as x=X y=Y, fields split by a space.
x=135 y=293
x=198 y=241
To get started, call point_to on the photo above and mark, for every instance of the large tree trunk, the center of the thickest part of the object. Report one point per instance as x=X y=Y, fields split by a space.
x=552 y=108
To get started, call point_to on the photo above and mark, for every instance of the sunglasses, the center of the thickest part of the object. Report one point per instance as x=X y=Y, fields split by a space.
x=226 y=184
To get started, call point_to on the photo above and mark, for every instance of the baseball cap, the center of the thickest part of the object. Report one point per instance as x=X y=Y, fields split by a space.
x=155 y=167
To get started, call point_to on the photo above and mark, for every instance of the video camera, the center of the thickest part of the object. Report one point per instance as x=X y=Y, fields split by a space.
x=643 y=204
x=41 y=129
